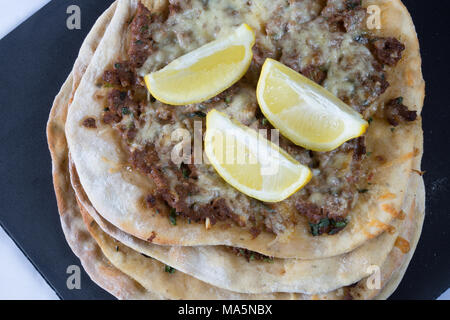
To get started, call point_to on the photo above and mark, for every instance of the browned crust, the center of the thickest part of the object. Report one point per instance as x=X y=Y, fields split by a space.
x=82 y=244
x=150 y=272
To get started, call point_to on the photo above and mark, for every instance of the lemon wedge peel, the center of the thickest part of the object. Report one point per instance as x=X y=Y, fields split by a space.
x=248 y=177
x=313 y=100
x=205 y=72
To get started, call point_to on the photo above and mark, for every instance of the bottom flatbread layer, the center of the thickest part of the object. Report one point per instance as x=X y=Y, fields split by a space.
x=218 y=266
x=150 y=272
x=128 y=274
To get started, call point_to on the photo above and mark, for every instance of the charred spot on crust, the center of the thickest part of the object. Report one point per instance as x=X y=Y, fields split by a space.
x=89 y=123
x=152 y=237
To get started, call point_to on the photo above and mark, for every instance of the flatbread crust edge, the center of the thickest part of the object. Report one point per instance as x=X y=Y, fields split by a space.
x=218 y=266
x=116 y=282
x=150 y=272
x=82 y=244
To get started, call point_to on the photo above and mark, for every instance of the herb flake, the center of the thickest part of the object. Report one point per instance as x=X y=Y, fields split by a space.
x=169 y=269
x=125 y=111
x=173 y=217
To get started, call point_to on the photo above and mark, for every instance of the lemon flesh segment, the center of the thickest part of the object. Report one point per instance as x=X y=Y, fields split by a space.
x=306 y=113
x=251 y=163
x=204 y=72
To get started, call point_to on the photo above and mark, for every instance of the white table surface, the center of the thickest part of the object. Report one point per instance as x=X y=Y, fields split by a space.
x=18 y=278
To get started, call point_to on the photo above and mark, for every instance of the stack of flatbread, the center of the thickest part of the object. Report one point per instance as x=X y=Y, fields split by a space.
x=135 y=253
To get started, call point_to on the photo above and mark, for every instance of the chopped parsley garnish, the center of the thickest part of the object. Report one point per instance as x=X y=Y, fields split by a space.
x=173 y=217
x=326 y=225
x=169 y=269
x=360 y=39
x=138 y=42
x=185 y=170
x=369 y=154
x=264 y=121
x=268 y=259
x=228 y=100
x=117 y=66
x=392 y=129
x=125 y=111
x=316 y=227
x=340 y=224
x=200 y=114
x=353 y=4
x=370 y=120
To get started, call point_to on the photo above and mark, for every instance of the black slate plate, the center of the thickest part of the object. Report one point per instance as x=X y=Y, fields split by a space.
x=36 y=59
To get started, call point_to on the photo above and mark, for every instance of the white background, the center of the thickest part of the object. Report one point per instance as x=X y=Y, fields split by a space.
x=18 y=278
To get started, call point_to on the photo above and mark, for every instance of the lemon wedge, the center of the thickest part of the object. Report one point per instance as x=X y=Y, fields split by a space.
x=251 y=163
x=306 y=113
x=204 y=72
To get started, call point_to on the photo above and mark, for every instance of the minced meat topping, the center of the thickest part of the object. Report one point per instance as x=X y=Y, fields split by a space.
x=327 y=42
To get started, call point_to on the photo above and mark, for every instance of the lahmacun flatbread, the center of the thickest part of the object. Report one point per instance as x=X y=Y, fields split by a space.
x=381 y=224
x=152 y=274
x=140 y=283
x=123 y=162
x=247 y=272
